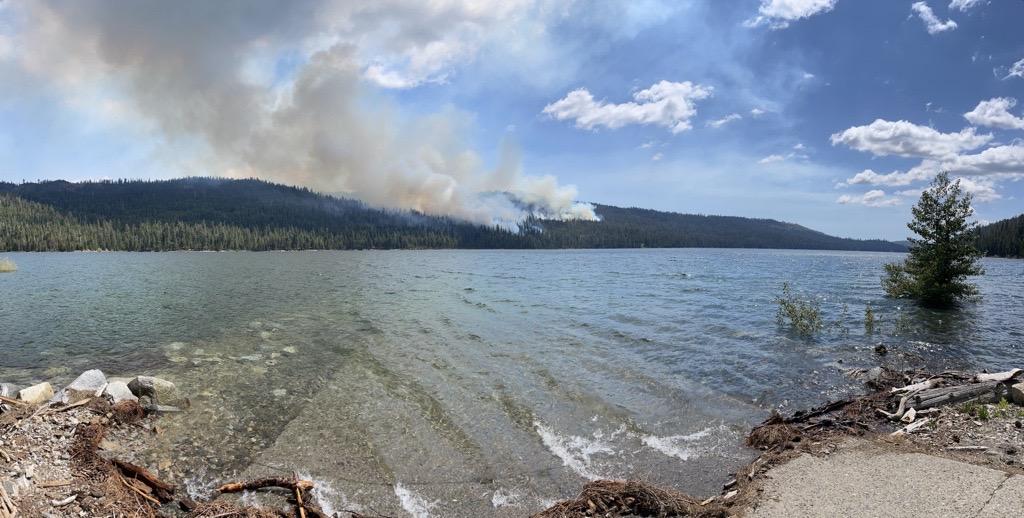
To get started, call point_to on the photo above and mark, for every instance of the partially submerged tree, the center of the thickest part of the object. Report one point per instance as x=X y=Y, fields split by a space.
x=940 y=261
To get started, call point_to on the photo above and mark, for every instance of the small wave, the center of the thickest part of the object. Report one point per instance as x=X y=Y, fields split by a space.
x=692 y=445
x=329 y=499
x=576 y=451
x=416 y=505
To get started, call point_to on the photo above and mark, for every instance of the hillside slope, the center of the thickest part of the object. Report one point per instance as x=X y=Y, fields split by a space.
x=1003 y=238
x=219 y=214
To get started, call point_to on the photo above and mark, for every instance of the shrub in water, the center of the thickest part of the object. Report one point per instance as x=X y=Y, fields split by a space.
x=804 y=316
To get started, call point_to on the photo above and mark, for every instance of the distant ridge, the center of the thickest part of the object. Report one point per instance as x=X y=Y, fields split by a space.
x=222 y=214
x=1003 y=238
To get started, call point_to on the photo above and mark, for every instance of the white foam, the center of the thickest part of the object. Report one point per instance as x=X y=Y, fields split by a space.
x=575 y=451
x=506 y=498
x=329 y=499
x=688 y=446
x=416 y=505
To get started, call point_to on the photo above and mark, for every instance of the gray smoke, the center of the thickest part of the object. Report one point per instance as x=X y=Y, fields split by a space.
x=203 y=75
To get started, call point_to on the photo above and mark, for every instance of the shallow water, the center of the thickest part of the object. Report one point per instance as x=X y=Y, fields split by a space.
x=470 y=383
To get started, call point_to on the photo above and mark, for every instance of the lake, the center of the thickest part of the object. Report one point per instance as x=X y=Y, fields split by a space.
x=478 y=383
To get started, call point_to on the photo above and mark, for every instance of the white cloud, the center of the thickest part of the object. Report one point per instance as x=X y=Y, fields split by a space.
x=778 y=14
x=982 y=189
x=799 y=146
x=995 y=113
x=895 y=178
x=1007 y=161
x=771 y=159
x=931 y=22
x=872 y=198
x=657 y=156
x=1016 y=70
x=757 y=112
x=667 y=104
x=903 y=138
x=718 y=123
x=965 y=5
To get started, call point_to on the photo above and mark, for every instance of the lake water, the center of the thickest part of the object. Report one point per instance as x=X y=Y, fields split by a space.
x=477 y=383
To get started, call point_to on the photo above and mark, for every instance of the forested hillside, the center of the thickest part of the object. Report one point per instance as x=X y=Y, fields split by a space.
x=218 y=214
x=1003 y=238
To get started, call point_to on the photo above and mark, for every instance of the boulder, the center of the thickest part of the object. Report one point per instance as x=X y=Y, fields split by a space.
x=36 y=393
x=118 y=391
x=159 y=391
x=86 y=385
x=1017 y=393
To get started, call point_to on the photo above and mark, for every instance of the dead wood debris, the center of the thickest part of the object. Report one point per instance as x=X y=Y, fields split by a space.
x=630 y=498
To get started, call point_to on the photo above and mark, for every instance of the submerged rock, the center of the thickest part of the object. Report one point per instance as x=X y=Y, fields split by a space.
x=159 y=391
x=118 y=391
x=36 y=393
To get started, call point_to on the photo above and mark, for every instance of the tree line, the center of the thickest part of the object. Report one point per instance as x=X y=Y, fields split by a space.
x=221 y=214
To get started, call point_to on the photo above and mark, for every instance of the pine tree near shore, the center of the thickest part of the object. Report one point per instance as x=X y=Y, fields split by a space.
x=944 y=256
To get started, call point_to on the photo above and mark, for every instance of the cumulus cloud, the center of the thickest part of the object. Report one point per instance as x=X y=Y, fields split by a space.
x=995 y=113
x=778 y=14
x=983 y=190
x=666 y=104
x=1016 y=70
x=979 y=172
x=193 y=69
x=718 y=123
x=965 y=5
x=932 y=23
x=757 y=112
x=872 y=198
x=903 y=138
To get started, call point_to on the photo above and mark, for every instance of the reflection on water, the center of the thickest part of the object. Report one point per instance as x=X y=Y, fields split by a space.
x=477 y=382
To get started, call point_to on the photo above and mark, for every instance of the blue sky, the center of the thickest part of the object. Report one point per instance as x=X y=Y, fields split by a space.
x=828 y=113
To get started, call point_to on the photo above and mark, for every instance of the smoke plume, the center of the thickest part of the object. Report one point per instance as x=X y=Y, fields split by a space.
x=209 y=77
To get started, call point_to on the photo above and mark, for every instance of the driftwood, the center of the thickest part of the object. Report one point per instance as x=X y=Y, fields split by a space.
x=953 y=395
x=912 y=427
x=7 y=507
x=999 y=376
x=926 y=384
x=12 y=401
x=161 y=489
x=261 y=483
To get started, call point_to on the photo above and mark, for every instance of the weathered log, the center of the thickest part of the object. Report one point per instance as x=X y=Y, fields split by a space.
x=953 y=395
x=998 y=376
x=261 y=483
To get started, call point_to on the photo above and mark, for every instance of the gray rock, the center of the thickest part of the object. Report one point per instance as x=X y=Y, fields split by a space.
x=1017 y=393
x=36 y=393
x=160 y=391
x=873 y=374
x=118 y=391
x=86 y=385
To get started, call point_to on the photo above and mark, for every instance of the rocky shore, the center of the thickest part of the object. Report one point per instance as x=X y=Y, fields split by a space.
x=72 y=452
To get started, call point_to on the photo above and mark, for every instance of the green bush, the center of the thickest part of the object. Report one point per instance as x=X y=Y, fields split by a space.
x=803 y=316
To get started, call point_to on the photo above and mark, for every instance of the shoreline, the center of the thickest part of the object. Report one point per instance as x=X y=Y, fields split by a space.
x=63 y=450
